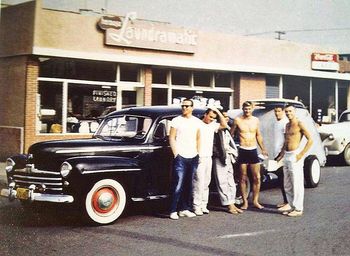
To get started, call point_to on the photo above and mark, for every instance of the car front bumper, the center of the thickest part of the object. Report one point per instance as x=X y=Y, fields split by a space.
x=29 y=195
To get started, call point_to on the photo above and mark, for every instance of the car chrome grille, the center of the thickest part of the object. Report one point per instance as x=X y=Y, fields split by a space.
x=25 y=177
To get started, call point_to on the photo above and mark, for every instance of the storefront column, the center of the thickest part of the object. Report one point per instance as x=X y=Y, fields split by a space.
x=249 y=87
x=348 y=97
x=310 y=97
x=148 y=87
x=336 y=100
x=280 y=87
x=32 y=74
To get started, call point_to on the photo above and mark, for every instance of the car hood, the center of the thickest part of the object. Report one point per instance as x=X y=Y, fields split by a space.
x=79 y=145
x=48 y=154
x=337 y=128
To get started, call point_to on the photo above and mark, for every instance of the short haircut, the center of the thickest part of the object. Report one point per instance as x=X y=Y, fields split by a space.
x=289 y=105
x=282 y=106
x=209 y=110
x=188 y=100
x=247 y=104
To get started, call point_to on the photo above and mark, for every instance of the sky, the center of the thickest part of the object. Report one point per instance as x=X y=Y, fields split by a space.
x=322 y=22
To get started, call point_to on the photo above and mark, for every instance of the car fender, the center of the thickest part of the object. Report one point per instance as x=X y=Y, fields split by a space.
x=103 y=164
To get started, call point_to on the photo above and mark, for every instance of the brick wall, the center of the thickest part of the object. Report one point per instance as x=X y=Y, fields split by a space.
x=344 y=66
x=148 y=87
x=12 y=91
x=11 y=140
x=32 y=73
x=248 y=87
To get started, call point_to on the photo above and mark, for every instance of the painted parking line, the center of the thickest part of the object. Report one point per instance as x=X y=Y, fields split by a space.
x=248 y=234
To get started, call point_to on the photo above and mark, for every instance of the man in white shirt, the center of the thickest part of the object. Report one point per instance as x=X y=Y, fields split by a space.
x=202 y=176
x=184 y=139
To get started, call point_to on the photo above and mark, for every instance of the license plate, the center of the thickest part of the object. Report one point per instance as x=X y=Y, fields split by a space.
x=22 y=193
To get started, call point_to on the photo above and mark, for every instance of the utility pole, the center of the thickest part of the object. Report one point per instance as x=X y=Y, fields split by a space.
x=279 y=34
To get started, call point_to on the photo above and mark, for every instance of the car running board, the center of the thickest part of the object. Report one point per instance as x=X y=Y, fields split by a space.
x=154 y=197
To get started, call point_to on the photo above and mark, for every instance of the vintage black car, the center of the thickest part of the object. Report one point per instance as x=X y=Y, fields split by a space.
x=128 y=158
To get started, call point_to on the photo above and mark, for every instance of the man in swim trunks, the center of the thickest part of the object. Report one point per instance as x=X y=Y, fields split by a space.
x=293 y=163
x=247 y=128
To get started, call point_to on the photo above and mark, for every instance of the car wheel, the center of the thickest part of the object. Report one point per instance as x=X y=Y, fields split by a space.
x=105 y=201
x=312 y=171
x=346 y=154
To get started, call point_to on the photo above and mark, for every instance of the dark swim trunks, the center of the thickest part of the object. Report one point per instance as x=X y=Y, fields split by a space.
x=248 y=156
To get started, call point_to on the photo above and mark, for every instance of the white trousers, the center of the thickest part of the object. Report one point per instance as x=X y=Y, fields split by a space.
x=294 y=180
x=201 y=183
x=225 y=181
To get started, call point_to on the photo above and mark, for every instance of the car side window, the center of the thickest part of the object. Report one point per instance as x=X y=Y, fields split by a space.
x=163 y=128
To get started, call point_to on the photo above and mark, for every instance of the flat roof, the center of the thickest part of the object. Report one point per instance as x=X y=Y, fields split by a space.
x=169 y=62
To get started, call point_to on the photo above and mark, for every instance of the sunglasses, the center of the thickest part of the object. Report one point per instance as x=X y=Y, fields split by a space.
x=186 y=106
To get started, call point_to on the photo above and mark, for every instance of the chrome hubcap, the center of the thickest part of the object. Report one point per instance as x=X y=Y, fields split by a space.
x=105 y=200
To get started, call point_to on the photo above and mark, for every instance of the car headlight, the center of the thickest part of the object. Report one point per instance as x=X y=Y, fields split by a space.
x=9 y=164
x=65 y=169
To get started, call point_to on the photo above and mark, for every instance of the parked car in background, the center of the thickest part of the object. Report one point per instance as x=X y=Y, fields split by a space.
x=315 y=157
x=336 y=138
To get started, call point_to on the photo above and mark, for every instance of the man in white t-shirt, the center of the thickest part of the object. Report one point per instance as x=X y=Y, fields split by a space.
x=184 y=139
x=202 y=176
x=279 y=129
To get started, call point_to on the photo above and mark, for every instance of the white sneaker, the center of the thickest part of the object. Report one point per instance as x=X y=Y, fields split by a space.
x=198 y=212
x=186 y=213
x=174 y=216
x=205 y=210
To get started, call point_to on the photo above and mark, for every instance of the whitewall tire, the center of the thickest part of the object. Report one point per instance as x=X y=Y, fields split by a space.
x=346 y=154
x=105 y=201
x=312 y=171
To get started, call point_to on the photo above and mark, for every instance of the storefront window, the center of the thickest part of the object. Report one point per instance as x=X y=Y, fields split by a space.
x=223 y=97
x=180 y=77
x=77 y=69
x=159 y=96
x=129 y=73
x=86 y=103
x=223 y=79
x=297 y=88
x=272 y=86
x=159 y=76
x=204 y=97
x=323 y=100
x=343 y=92
x=49 y=107
x=129 y=99
x=202 y=78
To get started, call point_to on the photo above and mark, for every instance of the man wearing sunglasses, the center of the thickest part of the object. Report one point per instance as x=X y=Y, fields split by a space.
x=184 y=139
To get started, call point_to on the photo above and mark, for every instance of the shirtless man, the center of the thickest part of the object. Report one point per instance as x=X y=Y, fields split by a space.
x=293 y=163
x=249 y=134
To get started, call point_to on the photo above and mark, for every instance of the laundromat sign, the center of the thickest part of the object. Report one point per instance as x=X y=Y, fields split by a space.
x=130 y=32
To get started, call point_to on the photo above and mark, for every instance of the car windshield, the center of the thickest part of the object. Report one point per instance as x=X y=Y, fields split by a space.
x=345 y=117
x=126 y=126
